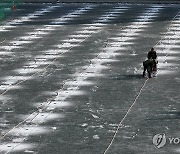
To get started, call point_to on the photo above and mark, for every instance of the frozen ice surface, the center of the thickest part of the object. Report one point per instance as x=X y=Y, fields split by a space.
x=70 y=72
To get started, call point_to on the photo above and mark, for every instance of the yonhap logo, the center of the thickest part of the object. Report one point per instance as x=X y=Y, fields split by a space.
x=159 y=140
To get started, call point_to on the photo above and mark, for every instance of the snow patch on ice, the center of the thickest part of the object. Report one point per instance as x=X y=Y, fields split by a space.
x=10 y=47
x=14 y=147
x=28 y=130
x=44 y=117
x=165 y=72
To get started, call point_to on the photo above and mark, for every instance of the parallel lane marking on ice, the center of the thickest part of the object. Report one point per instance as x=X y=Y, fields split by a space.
x=45 y=67
x=32 y=119
x=53 y=60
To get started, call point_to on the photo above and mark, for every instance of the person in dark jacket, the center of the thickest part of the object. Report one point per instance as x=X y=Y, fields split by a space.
x=152 y=55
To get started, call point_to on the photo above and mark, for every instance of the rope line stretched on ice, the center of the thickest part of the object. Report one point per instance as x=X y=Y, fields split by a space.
x=49 y=100
x=106 y=43
x=37 y=111
x=169 y=30
x=1 y=137
x=44 y=68
x=129 y=110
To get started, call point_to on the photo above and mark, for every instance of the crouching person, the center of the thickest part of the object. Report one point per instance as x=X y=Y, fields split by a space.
x=148 y=66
